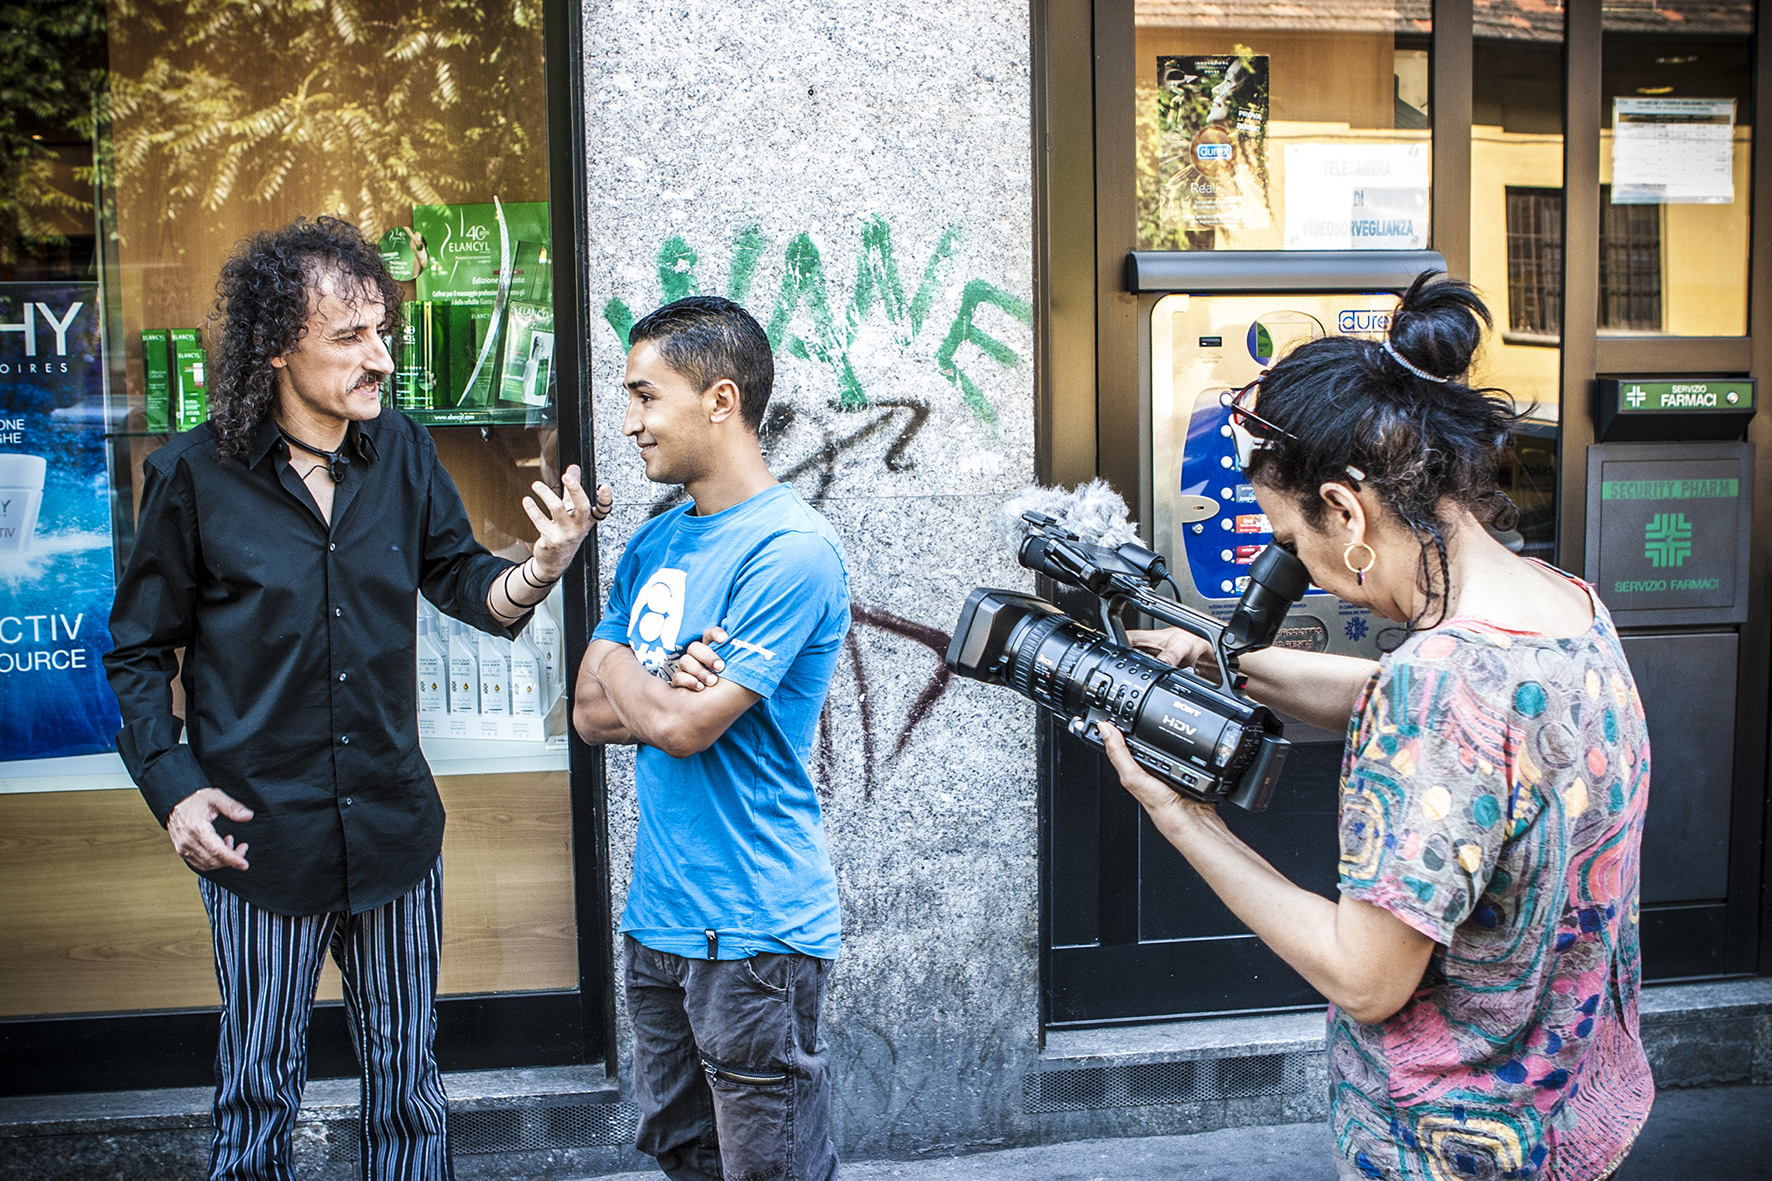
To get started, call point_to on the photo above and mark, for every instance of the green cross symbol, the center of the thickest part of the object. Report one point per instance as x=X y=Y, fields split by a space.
x=1667 y=539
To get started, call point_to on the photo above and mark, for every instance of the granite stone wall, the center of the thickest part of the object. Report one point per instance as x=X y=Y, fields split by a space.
x=859 y=177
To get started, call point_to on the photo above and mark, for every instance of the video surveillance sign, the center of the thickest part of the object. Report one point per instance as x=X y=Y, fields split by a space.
x=1667 y=531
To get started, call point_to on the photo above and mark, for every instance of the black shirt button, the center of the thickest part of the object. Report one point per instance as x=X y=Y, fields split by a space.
x=345 y=738
x=349 y=801
x=341 y=676
x=337 y=611
x=330 y=546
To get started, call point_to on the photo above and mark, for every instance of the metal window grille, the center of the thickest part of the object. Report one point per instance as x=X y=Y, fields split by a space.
x=1535 y=260
x=1630 y=263
x=1097 y=1087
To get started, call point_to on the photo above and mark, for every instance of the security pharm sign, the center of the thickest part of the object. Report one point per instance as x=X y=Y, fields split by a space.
x=1667 y=531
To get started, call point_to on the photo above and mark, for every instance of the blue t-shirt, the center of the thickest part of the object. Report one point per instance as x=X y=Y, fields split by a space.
x=731 y=839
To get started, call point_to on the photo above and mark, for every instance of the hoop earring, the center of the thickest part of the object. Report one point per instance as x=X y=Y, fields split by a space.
x=1347 y=559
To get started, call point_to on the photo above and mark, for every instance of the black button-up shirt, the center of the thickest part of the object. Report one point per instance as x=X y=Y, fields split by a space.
x=299 y=639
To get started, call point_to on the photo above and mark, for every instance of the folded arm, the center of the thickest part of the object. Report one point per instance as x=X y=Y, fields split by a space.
x=619 y=701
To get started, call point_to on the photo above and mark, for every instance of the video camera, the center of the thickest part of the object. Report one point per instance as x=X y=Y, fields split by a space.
x=1210 y=742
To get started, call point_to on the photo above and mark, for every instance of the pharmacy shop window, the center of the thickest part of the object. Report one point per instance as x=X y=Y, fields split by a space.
x=175 y=131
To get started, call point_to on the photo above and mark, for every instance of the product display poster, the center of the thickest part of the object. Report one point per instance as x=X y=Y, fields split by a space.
x=1212 y=115
x=1673 y=151
x=478 y=345
x=466 y=246
x=56 y=575
x=1348 y=196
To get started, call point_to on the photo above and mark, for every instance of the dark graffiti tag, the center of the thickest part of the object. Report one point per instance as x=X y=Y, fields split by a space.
x=932 y=638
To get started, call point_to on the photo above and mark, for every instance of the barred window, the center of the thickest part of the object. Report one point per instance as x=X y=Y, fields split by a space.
x=1630 y=266
x=1630 y=263
x=1535 y=261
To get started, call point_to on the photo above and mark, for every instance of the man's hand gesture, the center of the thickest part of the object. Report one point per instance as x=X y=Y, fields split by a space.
x=192 y=829
x=568 y=519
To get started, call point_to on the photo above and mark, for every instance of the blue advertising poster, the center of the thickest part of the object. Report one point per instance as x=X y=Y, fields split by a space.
x=56 y=573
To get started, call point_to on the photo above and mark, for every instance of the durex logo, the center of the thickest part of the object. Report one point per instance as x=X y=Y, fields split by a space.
x=1363 y=321
x=1213 y=151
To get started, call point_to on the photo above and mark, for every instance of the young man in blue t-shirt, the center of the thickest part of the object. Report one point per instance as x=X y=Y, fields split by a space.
x=724 y=625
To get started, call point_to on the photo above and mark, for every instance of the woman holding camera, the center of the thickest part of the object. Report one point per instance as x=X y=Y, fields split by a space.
x=1482 y=960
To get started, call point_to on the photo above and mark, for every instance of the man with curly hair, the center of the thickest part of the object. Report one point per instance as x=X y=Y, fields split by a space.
x=280 y=545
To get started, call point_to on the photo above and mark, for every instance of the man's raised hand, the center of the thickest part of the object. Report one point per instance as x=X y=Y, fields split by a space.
x=568 y=519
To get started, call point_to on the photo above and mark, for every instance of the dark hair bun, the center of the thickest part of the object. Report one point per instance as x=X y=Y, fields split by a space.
x=1439 y=324
x=1418 y=435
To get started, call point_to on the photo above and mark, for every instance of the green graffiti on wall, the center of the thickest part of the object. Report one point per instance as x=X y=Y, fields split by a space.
x=803 y=324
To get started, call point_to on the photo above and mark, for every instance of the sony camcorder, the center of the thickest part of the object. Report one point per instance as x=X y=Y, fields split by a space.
x=1210 y=742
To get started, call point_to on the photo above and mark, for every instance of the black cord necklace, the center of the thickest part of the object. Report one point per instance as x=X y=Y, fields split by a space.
x=336 y=461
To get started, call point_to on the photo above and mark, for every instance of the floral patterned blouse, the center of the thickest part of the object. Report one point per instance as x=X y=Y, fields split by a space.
x=1492 y=798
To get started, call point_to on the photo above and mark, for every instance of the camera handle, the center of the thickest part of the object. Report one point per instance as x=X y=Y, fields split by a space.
x=1176 y=615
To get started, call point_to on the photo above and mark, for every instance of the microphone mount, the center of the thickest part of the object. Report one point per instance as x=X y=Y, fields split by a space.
x=1122 y=575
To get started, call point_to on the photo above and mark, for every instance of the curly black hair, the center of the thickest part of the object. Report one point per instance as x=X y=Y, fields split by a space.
x=263 y=300
x=1401 y=417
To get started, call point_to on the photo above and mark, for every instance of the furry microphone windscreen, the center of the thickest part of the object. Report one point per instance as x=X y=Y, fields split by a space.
x=1094 y=512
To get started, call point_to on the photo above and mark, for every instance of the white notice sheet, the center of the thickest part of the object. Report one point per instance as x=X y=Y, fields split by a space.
x=1672 y=151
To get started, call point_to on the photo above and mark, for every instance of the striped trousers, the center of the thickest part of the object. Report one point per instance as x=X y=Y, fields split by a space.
x=268 y=966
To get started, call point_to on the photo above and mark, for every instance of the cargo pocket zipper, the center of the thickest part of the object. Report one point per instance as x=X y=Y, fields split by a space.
x=733 y=1076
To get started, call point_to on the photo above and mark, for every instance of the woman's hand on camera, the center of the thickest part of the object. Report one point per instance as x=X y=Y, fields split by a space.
x=1156 y=796
x=1174 y=646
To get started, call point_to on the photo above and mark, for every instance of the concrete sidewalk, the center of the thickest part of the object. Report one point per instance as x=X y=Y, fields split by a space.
x=1721 y=1133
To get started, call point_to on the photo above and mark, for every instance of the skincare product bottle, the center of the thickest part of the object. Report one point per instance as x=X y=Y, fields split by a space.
x=190 y=382
x=464 y=669
x=528 y=353
x=433 y=665
x=157 y=371
x=495 y=674
x=544 y=632
x=527 y=683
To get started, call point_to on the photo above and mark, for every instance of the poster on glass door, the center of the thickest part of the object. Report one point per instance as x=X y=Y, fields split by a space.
x=56 y=573
x=1212 y=116
x=1673 y=151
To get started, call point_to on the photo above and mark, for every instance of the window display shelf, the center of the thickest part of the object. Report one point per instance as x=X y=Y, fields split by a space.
x=447 y=756
x=489 y=756
x=103 y=772
x=484 y=416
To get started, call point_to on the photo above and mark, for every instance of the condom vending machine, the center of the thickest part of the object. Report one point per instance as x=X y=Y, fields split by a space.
x=1204 y=514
